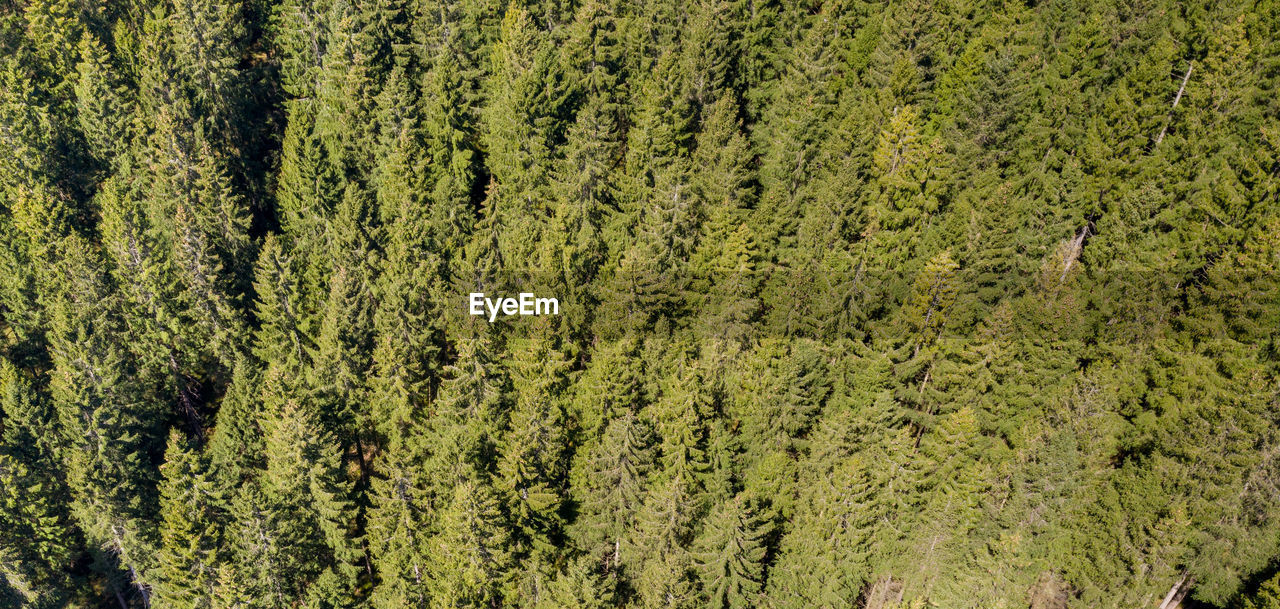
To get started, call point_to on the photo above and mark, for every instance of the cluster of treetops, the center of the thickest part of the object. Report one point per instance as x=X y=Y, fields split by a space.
x=956 y=304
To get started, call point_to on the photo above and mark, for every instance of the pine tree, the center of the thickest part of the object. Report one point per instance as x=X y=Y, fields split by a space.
x=354 y=64
x=53 y=29
x=790 y=128
x=235 y=447
x=523 y=119
x=665 y=581
x=207 y=39
x=1266 y=597
x=660 y=135
x=146 y=280
x=609 y=388
x=282 y=340
x=889 y=306
x=681 y=417
x=592 y=50
x=763 y=48
x=450 y=125
x=469 y=414
x=401 y=522
x=713 y=49
x=725 y=263
x=649 y=282
x=931 y=299
x=256 y=572
x=303 y=40
x=823 y=559
x=199 y=224
x=37 y=209
x=953 y=480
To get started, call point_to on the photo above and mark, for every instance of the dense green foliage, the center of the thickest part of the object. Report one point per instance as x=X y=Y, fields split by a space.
x=912 y=304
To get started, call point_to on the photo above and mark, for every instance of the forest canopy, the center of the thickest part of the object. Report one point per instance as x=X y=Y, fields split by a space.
x=959 y=304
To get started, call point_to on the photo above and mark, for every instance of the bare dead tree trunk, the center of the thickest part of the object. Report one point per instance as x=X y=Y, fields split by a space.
x=923 y=384
x=1072 y=253
x=1175 y=593
x=1177 y=598
x=142 y=590
x=1176 y=99
x=133 y=573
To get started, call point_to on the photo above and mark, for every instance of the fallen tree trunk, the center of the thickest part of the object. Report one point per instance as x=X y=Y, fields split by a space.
x=1176 y=99
x=1177 y=592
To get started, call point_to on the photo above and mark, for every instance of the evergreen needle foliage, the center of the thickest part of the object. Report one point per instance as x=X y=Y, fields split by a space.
x=863 y=304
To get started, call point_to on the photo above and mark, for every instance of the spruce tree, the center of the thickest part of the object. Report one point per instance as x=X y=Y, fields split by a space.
x=190 y=530
x=305 y=507
x=109 y=422
x=730 y=555
x=343 y=348
x=580 y=587
x=531 y=467
x=471 y=560
x=611 y=483
x=102 y=104
x=38 y=536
